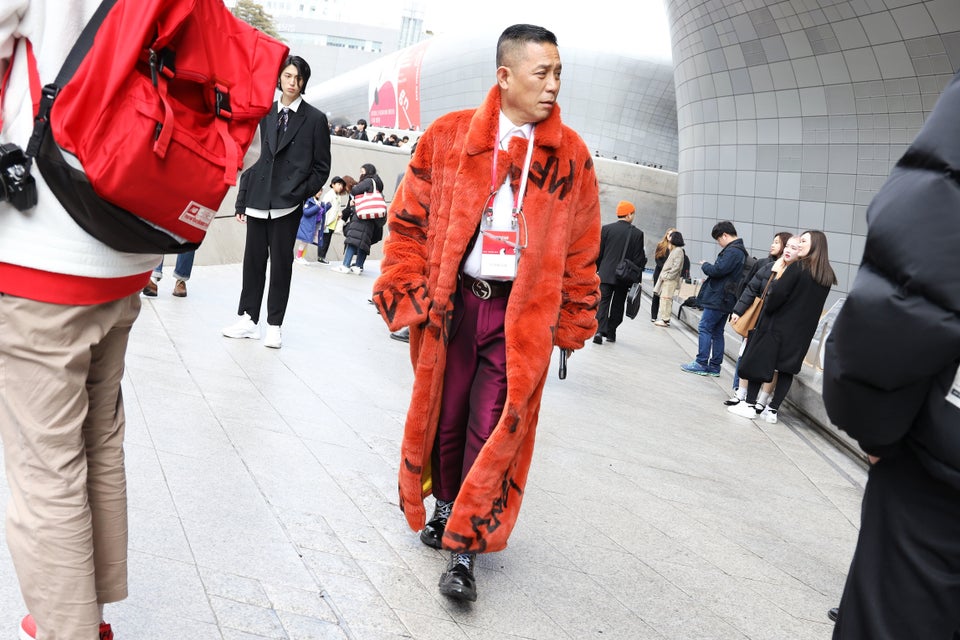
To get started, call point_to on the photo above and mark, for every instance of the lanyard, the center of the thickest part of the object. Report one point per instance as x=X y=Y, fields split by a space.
x=518 y=198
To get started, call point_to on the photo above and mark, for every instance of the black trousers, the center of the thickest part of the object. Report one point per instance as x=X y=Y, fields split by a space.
x=904 y=582
x=271 y=239
x=613 y=299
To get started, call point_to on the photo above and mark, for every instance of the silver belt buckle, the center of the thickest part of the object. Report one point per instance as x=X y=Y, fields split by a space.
x=481 y=289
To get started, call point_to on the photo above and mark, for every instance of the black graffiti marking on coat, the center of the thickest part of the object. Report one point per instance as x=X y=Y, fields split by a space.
x=415 y=469
x=485 y=525
x=415 y=219
x=513 y=420
x=389 y=310
x=421 y=172
x=539 y=174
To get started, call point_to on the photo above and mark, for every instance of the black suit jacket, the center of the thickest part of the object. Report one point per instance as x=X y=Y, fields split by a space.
x=613 y=237
x=293 y=165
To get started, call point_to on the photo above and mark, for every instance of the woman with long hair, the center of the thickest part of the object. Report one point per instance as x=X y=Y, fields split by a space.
x=659 y=257
x=753 y=287
x=666 y=284
x=787 y=323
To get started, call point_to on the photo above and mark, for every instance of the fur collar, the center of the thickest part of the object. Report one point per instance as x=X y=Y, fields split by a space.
x=482 y=133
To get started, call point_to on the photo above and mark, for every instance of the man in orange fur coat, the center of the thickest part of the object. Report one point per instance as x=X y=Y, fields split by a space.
x=491 y=261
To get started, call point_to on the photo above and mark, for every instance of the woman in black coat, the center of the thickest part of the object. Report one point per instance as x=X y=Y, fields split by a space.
x=787 y=323
x=359 y=235
x=753 y=286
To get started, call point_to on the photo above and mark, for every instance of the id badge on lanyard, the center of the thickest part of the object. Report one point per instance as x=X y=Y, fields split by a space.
x=500 y=249
x=499 y=254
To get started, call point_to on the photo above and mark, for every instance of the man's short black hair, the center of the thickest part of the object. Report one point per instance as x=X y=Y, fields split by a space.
x=722 y=227
x=517 y=36
x=303 y=70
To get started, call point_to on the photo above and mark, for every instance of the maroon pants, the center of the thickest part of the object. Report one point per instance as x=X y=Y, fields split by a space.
x=474 y=389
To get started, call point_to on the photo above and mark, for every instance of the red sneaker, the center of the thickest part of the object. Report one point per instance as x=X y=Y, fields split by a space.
x=28 y=629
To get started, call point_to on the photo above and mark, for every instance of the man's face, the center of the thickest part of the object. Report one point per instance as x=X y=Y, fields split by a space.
x=529 y=83
x=724 y=239
x=291 y=84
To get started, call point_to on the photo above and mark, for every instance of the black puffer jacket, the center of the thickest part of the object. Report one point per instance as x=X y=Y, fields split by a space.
x=893 y=352
x=363 y=234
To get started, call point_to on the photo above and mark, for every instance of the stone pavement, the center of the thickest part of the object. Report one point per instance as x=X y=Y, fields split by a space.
x=262 y=488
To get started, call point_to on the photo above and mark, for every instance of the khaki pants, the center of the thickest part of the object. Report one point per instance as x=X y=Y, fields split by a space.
x=667 y=289
x=62 y=423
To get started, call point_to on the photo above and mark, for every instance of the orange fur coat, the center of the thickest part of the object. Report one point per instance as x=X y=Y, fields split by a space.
x=432 y=219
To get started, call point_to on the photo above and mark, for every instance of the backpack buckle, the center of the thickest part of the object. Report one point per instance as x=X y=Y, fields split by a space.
x=222 y=102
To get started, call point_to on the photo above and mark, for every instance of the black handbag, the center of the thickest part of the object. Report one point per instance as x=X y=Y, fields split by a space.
x=628 y=272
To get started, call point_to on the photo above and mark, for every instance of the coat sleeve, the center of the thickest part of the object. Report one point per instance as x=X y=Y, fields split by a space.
x=581 y=284
x=754 y=288
x=727 y=262
x=673 y=265
x=400 y=292
x=320 y=170
x=639 y=256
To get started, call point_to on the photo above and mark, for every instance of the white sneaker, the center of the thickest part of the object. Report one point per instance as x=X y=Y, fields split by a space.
x=769 y=415
x=301 y=260
x=243 y=328
x=356 y=270
x=272 y=339
x=340 y=268
x=743 y=410
x=660 y=323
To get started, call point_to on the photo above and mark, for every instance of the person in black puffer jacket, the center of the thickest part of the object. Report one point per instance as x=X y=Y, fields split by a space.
x=359 y=235
x=889 y=378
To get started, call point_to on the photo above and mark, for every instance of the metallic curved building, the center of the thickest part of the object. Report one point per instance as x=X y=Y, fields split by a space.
x=792 y=112
x=622 y=106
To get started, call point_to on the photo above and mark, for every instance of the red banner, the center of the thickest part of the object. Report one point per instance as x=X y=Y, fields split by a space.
x=395 y=94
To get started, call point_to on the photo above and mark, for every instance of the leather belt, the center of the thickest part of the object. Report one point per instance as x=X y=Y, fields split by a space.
x=486 y=289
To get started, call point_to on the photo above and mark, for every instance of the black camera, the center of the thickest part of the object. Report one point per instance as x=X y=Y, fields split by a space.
x=16 y=184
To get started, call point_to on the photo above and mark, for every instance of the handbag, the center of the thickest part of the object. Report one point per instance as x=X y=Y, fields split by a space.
x=370 y=205
x=633 y=300
x=748 y=319
x=628 y=272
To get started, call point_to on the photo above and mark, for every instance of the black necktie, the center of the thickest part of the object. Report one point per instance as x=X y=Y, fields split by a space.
x=282 y=120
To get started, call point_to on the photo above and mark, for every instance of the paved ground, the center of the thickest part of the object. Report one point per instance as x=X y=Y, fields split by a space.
x=263 y=491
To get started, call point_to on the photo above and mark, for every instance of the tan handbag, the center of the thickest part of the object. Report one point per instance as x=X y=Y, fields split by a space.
x=748 y=320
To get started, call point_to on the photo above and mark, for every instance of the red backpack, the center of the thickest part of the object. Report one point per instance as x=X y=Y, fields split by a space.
x=147 y=123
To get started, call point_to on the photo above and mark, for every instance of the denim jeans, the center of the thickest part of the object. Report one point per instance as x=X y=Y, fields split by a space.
x=710 y=353
x=183 y=269
x=351 y=251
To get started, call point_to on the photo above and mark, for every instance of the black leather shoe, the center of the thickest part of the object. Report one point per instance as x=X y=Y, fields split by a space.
x=611 y=338
x=833 y=613
x=457 y=582
x=598 y=339
x=432 y=533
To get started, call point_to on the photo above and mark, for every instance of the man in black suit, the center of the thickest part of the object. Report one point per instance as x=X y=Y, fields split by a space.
x=618 y=240
x=294 y=164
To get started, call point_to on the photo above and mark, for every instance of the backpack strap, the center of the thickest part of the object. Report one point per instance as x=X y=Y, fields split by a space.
x=77 y=53
x=32 y=72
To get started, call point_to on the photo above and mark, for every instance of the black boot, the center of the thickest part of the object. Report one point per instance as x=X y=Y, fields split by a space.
x=457 y=581
x=432 y=533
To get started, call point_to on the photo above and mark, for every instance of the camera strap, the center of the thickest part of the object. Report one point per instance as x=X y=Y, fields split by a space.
x=34 y=75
